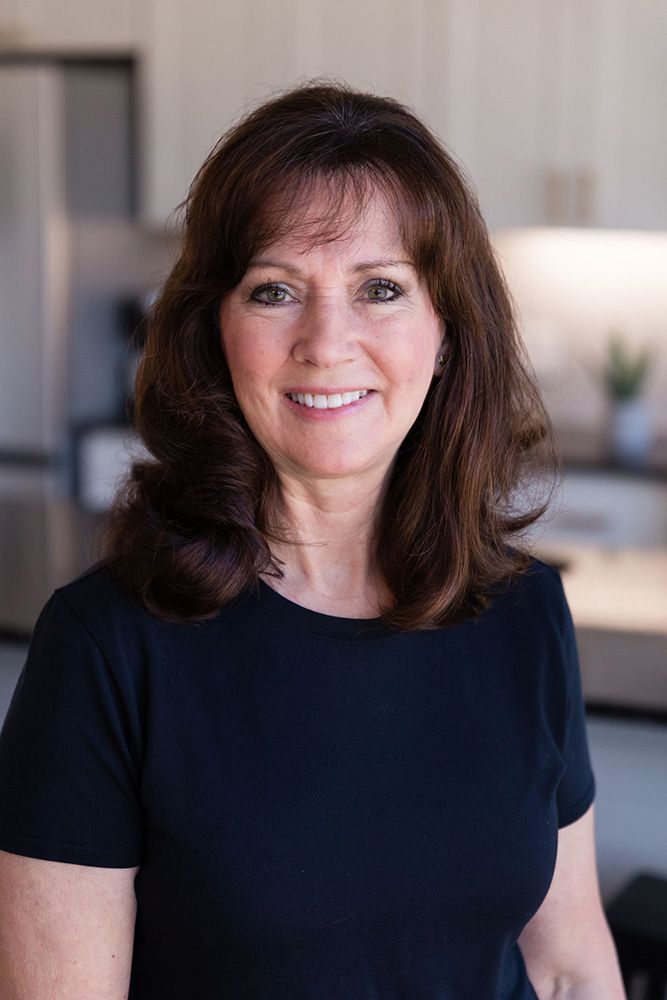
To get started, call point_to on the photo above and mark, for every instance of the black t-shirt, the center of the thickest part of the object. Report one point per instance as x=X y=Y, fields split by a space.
x=322 y=809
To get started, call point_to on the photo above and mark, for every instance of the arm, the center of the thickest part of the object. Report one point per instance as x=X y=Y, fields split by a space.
x=567 y=945
x=65 y=930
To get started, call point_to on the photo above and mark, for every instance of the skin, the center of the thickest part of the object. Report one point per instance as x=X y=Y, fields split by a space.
x=66 y=931
x=334 y=327
x=567 y=946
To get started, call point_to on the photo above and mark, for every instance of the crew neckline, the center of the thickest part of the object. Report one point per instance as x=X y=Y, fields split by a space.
x=318 y=622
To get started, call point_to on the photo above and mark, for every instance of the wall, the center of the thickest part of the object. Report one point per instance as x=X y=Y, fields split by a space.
x=572 y=287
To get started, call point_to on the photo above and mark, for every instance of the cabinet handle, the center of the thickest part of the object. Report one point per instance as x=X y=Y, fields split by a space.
x=570 y=197
x=556 y=196
x=11 y=35
x=584 y=197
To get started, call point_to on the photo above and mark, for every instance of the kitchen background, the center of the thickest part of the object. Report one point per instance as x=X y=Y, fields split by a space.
x=556 y=112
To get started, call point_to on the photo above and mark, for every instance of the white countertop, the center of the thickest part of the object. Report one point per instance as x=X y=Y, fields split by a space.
x=617 y=589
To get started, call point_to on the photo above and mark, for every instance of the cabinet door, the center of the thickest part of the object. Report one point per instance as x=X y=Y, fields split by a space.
x=603 y=81
x=494 y=93
x=623 y=141
x=206 y=64
x=375 y=45
x=70 y=24
x=555 y=109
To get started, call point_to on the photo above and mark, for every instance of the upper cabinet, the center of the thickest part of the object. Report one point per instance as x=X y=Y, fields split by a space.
x=490 y=68
x=622 y=136
x=207 y=63
x=70 y=25
x=553 y=109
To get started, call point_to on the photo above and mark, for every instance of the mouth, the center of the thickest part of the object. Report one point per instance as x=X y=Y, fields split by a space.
x=333 y=401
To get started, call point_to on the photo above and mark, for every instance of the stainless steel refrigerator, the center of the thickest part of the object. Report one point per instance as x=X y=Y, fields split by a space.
x=48 y=154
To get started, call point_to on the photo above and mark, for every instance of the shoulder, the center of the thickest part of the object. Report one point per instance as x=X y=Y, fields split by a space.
x=96 y=596
x=536 y=593
x=525 y=625
x=95 y=608
x=93 y=617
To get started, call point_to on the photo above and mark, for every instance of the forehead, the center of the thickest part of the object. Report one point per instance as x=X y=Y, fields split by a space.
x=324 y=220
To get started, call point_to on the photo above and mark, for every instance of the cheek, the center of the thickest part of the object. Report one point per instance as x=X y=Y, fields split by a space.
x=413 y=361
x=245 y=380
x=235 y=340
x=242 y=357
x=251 y=374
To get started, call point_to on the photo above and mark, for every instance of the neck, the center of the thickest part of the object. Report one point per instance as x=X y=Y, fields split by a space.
x=329 y=567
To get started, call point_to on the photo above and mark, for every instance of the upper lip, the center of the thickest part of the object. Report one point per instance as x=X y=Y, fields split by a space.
x=329 y=392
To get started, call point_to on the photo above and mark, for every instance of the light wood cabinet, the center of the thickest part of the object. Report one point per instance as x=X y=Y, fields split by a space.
x=490 y=72
x=621 y=139
x=554 y=110
x=206 y=64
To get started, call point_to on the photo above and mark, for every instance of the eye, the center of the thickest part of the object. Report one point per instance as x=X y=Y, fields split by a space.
x=274 y=293
x=383 y=290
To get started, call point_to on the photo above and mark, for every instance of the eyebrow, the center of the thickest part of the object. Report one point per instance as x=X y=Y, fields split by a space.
x=360 y=268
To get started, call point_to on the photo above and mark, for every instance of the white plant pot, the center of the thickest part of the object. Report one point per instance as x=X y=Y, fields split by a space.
x=630 y=430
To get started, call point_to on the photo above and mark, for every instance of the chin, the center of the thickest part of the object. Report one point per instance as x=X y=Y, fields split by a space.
x=328 y=468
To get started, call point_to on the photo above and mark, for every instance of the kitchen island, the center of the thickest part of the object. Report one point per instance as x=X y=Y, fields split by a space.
x=618 y=599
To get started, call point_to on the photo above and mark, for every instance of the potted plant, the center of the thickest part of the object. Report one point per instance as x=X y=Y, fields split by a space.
x=624 y=376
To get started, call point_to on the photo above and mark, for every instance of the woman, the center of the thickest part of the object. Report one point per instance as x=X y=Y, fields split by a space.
x=313 y=728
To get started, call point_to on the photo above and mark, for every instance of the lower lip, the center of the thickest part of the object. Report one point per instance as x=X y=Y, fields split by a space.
x=311 y=413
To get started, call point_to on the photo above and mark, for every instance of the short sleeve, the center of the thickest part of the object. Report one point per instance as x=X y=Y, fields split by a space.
x=576 y=790
x=68 y=759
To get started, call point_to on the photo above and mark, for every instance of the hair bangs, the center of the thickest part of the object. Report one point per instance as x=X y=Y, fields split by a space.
x=347 y=191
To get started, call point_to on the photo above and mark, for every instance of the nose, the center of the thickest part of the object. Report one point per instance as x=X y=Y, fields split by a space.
x=327 y=334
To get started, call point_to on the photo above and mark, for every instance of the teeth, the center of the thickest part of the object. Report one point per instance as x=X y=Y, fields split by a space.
x=320 y=402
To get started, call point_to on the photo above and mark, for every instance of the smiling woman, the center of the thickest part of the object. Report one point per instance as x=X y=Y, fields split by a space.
x=332 y=246
x=361 y=364
x=313 y=729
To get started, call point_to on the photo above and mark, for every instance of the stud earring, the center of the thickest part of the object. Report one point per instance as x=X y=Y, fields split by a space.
x=441 y=359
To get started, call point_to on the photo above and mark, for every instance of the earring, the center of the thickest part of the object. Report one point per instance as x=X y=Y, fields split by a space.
x=441 y=359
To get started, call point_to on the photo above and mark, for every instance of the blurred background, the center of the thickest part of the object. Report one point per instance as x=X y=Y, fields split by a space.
x=555 y=109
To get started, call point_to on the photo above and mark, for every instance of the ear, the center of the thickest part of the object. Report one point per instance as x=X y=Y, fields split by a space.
x=441 y=357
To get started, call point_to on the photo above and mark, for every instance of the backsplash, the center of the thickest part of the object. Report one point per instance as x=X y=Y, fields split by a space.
x=573 y=288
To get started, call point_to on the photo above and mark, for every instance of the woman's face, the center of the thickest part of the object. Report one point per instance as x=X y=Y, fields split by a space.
x=332 y=349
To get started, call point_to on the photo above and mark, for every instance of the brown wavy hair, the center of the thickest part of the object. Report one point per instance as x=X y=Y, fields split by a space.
x=190 y=529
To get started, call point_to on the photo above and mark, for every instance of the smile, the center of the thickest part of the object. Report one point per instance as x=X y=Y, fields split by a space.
x=327 y=402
